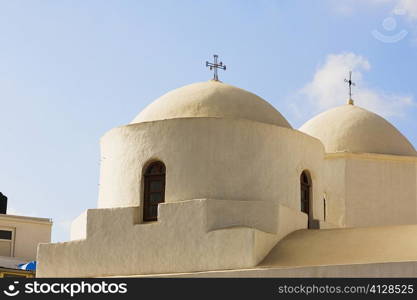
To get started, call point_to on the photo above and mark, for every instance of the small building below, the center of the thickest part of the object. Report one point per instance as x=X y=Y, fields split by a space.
x=19 y=239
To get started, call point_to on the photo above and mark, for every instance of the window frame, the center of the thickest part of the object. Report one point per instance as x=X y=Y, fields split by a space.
x=149 y=178
x=11 y=241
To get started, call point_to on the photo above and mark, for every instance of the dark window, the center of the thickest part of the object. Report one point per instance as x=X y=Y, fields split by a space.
x=305 y=188
x=154 y=190
x=305 y=193
x=5 y=235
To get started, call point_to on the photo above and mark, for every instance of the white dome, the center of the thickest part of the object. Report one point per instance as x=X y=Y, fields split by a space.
x=211 y=99
x=350 y=128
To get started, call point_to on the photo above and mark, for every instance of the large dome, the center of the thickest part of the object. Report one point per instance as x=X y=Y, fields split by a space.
x=350 y=128
x=211 y=99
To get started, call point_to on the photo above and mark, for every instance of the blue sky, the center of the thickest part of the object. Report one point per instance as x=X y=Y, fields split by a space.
x=71 y=70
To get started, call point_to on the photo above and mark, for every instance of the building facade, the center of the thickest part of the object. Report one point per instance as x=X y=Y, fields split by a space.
x=211 y=180
x=19 y=239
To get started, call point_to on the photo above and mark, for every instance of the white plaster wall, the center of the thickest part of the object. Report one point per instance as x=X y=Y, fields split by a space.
x=334 y=191
x=79 y=227
x=344 y=246
x=28 y=233
x=381 y=251
x=288 y=220
x=179 y=241
x=210 y=158
x=186 y=238
x=248 y=171
x=380 y=190
x=262 y=215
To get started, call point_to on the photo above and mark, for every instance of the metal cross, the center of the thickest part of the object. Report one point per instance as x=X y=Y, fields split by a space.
x=350 y=82
x=214 y=66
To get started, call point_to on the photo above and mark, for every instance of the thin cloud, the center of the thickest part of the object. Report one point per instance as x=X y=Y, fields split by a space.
x=408 y=7
x=398 y=7
x=327 y=89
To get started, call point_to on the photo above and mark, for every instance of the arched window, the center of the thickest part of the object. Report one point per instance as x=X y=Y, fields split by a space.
x=154 y=190
x=305 y=189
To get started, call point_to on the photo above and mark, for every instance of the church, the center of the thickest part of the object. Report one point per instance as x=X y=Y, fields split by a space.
x=210 y=180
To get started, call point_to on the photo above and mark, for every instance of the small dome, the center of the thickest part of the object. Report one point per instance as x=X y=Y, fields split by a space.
x=350 y=128
x=211 y=99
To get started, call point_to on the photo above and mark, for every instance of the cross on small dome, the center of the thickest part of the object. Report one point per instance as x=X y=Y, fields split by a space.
x=214 y=66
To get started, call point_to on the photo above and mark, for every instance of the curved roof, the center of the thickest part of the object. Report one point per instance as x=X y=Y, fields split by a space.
x=211 y=99
x=350 y=128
